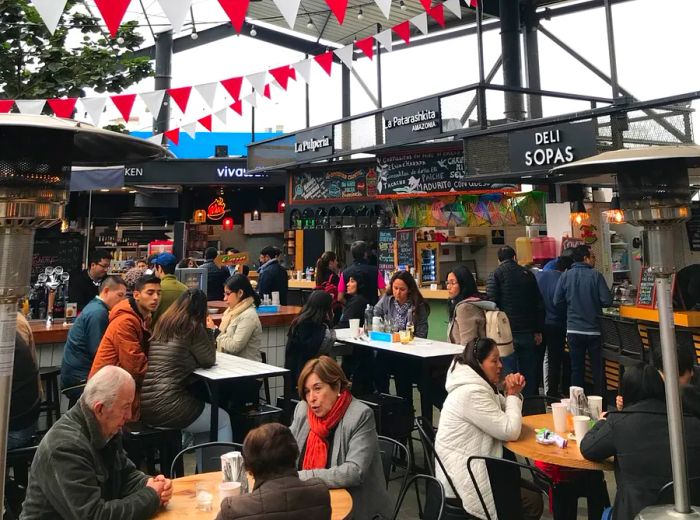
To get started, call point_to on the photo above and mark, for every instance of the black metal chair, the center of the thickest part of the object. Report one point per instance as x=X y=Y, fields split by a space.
x=504 y=478
x=266 y=380
x=665 y=495
x=537 y=404
x=51 y=405
x=154 y=445
x=434 y=508
x=609 y=337
x=211 y=462
x=631 y=346
x=395 y=455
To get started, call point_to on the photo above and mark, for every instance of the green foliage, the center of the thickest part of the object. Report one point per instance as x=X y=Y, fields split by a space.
x=80 y=54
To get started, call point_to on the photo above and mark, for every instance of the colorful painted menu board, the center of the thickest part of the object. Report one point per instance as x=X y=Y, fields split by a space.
x=386 y=240
x=334 y=185
x=405 y=247
x=646 y=291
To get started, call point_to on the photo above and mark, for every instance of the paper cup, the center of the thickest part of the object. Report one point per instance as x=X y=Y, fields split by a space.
x=354 y=325
x=595 y=406
x=275 y=298
x=559 y=412
x=229 y=489
x=581 y=427
x=433 y=287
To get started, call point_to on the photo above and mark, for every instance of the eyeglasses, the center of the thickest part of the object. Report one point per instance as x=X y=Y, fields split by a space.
x=229 y=293
x=103 y=266
x=451 y=283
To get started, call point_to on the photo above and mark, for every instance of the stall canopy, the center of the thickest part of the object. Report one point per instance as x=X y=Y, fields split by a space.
x=88 y=179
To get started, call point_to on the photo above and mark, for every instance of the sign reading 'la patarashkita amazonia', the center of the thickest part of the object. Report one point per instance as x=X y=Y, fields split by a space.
x=415 y=120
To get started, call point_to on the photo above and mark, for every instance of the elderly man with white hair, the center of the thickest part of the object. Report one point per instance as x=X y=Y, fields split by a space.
x=80 y=469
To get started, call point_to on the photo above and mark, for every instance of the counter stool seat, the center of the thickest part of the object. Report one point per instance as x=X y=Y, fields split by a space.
x=51 y=405
x=155 y=445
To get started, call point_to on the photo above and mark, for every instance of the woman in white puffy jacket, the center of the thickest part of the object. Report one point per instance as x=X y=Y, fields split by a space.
x=476 y=420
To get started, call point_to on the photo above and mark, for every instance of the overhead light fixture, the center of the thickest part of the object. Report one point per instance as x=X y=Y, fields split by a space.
x=579 y=214
x=227 y=224
x=132 y=191
x=360 y=15
x=310 y=24
x=255 y=215
x=615 y=215
x=104 y=189
x=253 y=32
x=281 y=206
x=402 y=4
x=194 y=34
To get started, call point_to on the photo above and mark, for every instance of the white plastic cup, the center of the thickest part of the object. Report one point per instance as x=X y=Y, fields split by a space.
x=229 y=489
x=275 y=298
x=433 y=287
x=354 y=326
x=567 y=403
x=581 y=427
x=559 y=411
x=595 y=406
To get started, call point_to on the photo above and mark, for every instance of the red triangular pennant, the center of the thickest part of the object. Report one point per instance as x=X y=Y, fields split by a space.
x=404 y=31
x=6 y=105
x=325 y=60
x=112 y=12
x=473 y=3
x=282 y=75
x=205 y=122
x=292 y=73
x=366 y=45
x=266 y=92
x=233 y=86
x=181 y=96
x=173 y=135
x=438 y=14
x=237 y=107
x=236 y=11
x=338 y=7
x=62 y=107
x=426 y=4
x=124 y=103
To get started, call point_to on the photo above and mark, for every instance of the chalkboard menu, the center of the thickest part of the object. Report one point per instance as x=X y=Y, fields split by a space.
x=335 y=185
x=405 y=247
x=436 y=173
x=693 y=228
x=646 y=291
x=65 y=250
x=386 y=241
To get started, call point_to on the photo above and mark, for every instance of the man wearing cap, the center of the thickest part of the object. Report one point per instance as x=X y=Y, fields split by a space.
x=170 y=288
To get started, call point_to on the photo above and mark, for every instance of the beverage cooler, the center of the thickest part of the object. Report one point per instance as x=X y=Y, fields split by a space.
x=427 y=262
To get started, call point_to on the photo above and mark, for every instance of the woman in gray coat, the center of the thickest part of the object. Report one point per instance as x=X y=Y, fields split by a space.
x=338 y=439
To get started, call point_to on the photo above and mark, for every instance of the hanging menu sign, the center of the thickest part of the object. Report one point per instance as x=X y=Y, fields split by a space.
x=314 y=144
x=646 y=291
x=334 y=185
x=420 y=120
x=434 y=173
x=385 y=242
x=405 y=247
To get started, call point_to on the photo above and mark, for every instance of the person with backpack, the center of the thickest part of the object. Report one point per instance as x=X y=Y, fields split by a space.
x=327 y=280
x=466 y=310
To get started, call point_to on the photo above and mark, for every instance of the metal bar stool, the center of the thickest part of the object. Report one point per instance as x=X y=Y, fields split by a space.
x=51 y=404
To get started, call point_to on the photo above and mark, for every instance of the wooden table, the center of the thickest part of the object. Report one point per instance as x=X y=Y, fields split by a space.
x=281 y=318
x=184 y=504
x=571 y=457
x=55 y=333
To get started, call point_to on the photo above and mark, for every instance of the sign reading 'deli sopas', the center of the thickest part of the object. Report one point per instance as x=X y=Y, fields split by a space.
x=314 y=143
x=546 y=147
x=415 y=120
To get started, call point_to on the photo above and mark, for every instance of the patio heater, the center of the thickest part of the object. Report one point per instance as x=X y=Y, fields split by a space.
x=654 y=191
x=36 y=155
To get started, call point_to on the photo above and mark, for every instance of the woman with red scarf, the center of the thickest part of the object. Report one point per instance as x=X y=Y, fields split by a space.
x=338 y=439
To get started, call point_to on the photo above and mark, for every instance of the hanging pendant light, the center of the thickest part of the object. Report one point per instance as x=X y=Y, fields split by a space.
x=227 y=224
x=615 y=215
x=579 y=214
x=255 y=215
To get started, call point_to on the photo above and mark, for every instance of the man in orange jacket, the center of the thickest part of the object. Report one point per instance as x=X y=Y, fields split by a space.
x=126 y=340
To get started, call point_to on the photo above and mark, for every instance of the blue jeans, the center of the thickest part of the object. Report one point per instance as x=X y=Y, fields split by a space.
x=528 y=360
x=579 y=344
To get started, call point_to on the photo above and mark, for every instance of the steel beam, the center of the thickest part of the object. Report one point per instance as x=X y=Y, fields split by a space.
x=475 y=100
x=532 y=58
x=163 y=77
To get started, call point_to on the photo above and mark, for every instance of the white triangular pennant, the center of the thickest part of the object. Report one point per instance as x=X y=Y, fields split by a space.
x=289 y=10
x=154 y=101
x=50 y=12
x=176 y=11
x=208 y=92
x=221 y=115
x=454 y=7
x=303 y=67
x=252 y=99
x=156 y=138
x=345 y=55
x=421 y=22
x=384 y=38
x=385 y=7
x=257 y=80
x=94 y=108
x=189 y=129
x=30 y=106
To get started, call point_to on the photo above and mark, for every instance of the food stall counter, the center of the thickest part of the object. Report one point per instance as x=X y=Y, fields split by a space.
x=687 y=319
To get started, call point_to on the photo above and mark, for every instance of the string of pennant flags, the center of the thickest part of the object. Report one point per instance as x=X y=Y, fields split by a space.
x=113 y=12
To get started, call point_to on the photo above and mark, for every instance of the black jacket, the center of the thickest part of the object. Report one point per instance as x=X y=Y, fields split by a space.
x=514 y=290
x=305 y=341
x=361 y=270
x=638 y=438
x=355 y=308
x=273 y=278
x=82 y=289
x=25 y=399
x=216 y=278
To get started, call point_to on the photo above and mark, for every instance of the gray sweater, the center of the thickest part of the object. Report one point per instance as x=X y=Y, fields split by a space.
x=355 y=461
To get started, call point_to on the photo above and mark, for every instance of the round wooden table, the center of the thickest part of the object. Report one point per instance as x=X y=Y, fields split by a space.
x=527 y=446
x=184 y=505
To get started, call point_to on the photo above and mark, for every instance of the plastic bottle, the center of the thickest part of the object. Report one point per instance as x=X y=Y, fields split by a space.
x=369 y=314
x=523 y=250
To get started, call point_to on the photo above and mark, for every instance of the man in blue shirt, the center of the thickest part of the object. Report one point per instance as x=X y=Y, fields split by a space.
x=86 y=333
x=585 y=293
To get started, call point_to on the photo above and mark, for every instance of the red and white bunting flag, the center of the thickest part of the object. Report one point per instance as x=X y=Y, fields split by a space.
x=345 y=55
x=237 y=107
x=208 y=92
x=426 y=4
x=173 y=135
x=153 y=101
x=124 y=103
x=94 y=108
x=303 y=67
x=257 y=80
x=190 y=129
x=30 y=106
x=438 y=14
x=384 y=7
x=366 y=45
x=338 y=7
x=50 y=12
x=233 y=86
x=252 y=99
x=236 y=11
x=421 y=22
x=289 y=10
x=62 y=107
x=282 y=75
x=156 y=139
x=6 y=105
x=473 y=3
x=267 y=92
x=181 y=96
x=205 y=122
x=454 y=7
x=221 y=114
x=325 y=60
x=384 y=38
x=176 y=11
x=112 y=12
x=403 y=30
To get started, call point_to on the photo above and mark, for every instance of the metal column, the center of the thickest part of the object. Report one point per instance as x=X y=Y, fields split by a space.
x=512 y=70
x=481 y=93
x=532 y=59
x=163 y=77
x=618 y=122
x=345 y=92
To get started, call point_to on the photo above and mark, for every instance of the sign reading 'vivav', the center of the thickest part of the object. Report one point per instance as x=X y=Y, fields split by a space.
x=199 y=171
